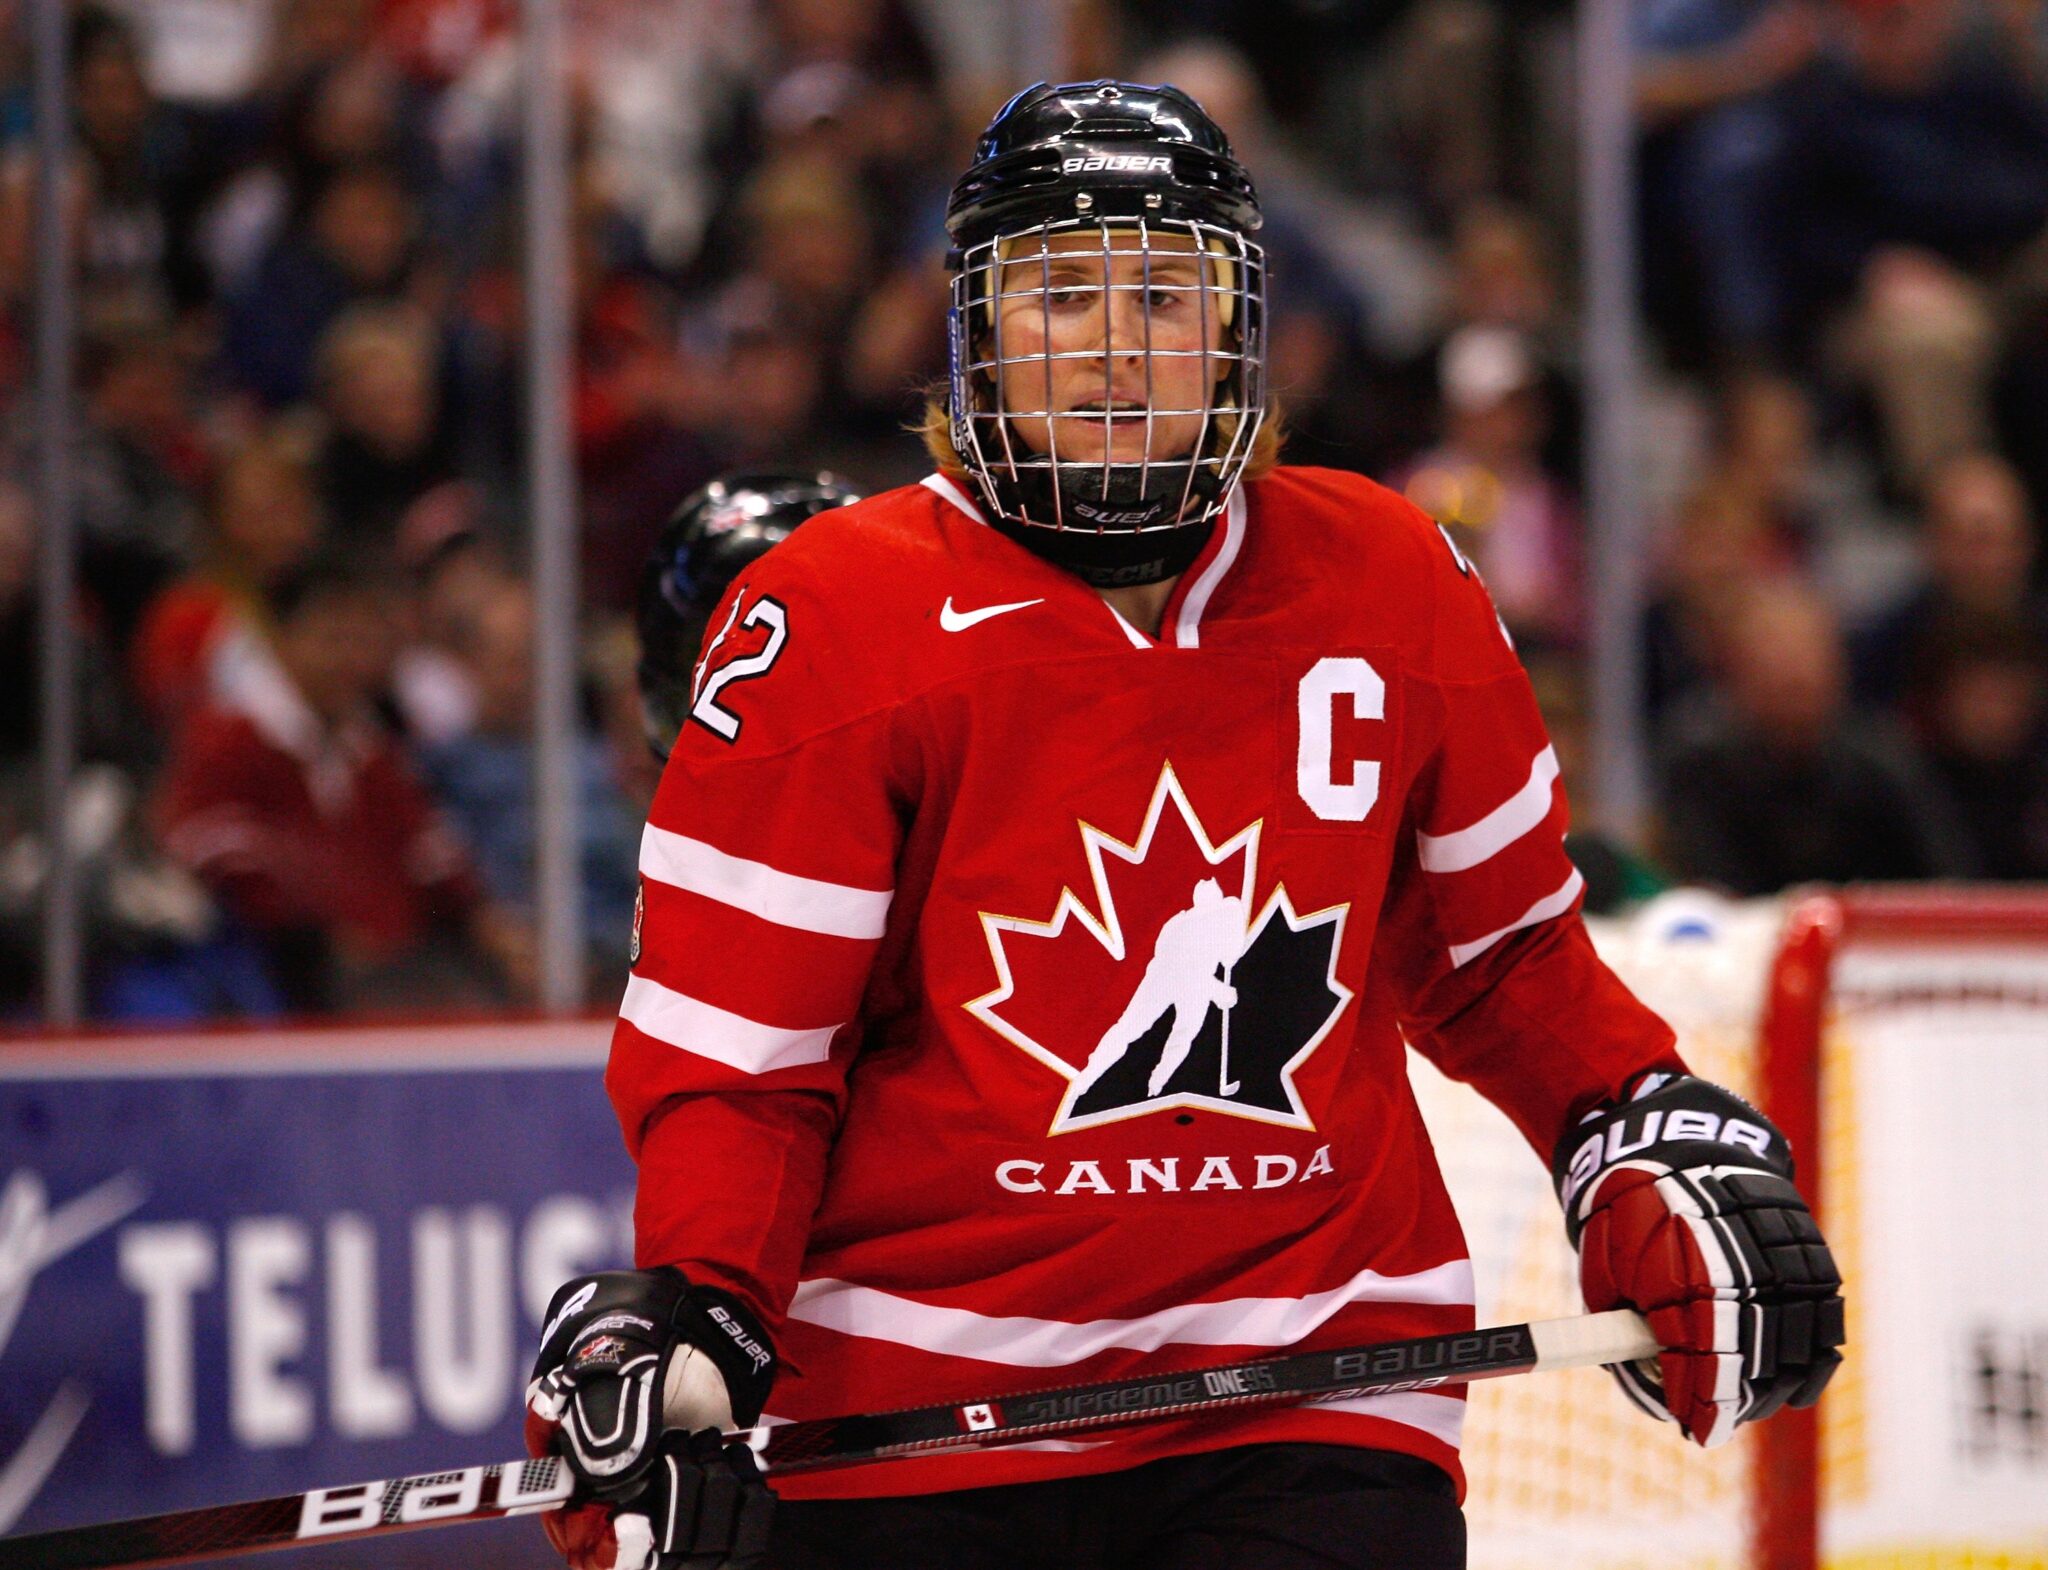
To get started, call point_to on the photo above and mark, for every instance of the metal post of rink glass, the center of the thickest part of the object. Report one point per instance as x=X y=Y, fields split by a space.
x=1614 y=394
x=551 y=503
x=56 y=510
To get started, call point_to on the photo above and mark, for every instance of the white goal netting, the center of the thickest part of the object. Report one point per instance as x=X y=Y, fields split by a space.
x=1933 y=1097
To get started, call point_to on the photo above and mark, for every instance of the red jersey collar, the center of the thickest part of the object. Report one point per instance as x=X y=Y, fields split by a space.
x=1182 y=626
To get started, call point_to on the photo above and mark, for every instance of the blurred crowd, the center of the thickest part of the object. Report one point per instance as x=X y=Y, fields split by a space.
x=305 y=626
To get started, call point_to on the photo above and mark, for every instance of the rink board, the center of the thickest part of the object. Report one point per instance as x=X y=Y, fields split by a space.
x=243 y=1265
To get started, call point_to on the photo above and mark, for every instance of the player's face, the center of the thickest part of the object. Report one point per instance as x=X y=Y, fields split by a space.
x=1083 y=363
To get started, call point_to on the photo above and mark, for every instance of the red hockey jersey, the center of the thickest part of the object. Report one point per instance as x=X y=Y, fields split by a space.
x=1019 y=1000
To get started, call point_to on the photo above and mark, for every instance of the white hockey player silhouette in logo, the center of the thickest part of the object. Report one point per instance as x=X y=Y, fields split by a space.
x=1192 y=947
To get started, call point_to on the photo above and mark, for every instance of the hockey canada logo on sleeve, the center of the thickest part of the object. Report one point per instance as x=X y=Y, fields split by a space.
x=1181 y=986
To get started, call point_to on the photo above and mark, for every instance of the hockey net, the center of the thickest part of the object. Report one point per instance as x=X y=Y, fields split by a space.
x=1902 y=1035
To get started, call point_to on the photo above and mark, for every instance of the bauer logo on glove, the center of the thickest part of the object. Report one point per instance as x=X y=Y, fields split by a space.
x=1681 y=1205
x=1633 y=1130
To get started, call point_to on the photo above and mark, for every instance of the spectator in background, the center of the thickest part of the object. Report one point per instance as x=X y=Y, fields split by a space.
x=1487 y=483
x=333 y=117
x=484 y=779
x=771 y=380
x=1979 y=542
x=1780 y=783
x=1617 y=878
x=1764 y=451
x=203 y=55
x=356 y=247
x=1916 y=164
x=152 y=946
x=638 y=402
x=1977 y=697
x=431 y=41
x=386 y=443
x=1913 y=136
x=108 y=729
x=1502 y=275
x=316 y=33
x=870 y=55
x=199 y=633
x=131 y=257
x=453 y=568
x=298 y=810
x=807 y=238
x=1722 y=548
x=141 y=456
x=1707 y=80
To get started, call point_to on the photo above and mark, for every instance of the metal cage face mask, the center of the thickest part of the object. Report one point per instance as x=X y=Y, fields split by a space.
x=1108 y=376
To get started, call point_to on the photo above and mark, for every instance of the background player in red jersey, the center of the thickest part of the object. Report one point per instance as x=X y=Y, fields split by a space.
x=715 y=534
x=953 y=761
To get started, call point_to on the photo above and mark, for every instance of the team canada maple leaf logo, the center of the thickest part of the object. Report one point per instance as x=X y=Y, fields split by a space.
x=1177 y=987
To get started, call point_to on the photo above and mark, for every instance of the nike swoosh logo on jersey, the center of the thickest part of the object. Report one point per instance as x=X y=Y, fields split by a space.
x=960 y=621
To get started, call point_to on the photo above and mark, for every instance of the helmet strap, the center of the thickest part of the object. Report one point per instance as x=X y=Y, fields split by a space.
x=1114 y=561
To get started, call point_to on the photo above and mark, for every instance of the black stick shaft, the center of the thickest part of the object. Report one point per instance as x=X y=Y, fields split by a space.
x=483 y=1493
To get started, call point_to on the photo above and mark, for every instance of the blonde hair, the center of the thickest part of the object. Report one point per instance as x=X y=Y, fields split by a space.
x=934 y=427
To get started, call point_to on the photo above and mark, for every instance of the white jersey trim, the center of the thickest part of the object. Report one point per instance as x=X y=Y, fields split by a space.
x=1553 y=904
x=710 y=1032
x=1137 y=639
x=945 y=485
x=1500 y=828
x=837 y=910
x=1188 y=630
x=1441 y=1417
x=1055 y=1343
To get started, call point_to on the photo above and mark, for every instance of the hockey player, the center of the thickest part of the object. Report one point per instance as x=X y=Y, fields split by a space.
x=923 y=1059
x=717 y=531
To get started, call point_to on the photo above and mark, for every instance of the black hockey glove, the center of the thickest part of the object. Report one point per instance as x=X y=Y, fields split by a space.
x=639 y=1373
x=701 y=1506
x=1681 y=1205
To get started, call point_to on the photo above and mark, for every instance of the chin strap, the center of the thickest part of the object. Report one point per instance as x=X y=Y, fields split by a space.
x=1114 y=561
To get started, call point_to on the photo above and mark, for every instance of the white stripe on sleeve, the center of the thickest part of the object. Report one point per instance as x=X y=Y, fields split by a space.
x=709 y=1032
x=1554 y=904
x=1055 y=1343
x=837 y=910
x=1500 y=828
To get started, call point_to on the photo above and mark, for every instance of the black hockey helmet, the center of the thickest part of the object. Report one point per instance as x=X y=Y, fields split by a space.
x=1101 y=150
x=1135 y=171
x=714 y=536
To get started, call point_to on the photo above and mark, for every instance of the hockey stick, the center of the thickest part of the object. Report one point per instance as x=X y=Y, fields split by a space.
x=1225 y=1085
x=483 y=1493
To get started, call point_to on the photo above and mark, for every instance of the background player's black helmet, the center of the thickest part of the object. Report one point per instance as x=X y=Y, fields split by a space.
x=1131 y=165
x=712 y=537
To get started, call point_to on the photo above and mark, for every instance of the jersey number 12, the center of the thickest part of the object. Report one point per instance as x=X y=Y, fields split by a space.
x=705 y=708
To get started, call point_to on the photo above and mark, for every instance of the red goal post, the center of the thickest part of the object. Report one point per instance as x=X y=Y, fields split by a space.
x=1822 y=1006
x=1868 y=986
